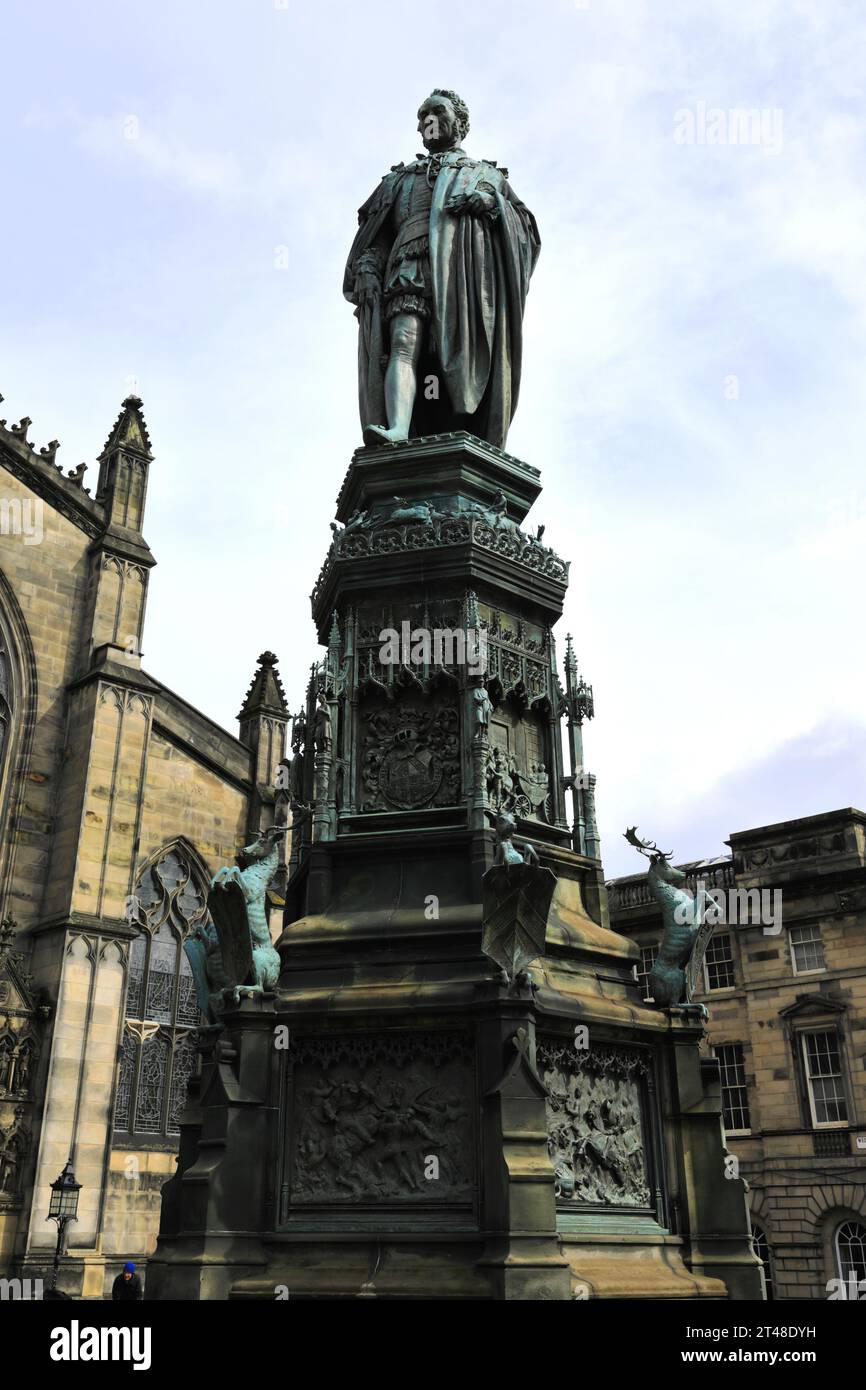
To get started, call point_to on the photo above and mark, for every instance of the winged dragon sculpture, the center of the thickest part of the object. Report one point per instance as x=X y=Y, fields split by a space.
x=234 y=954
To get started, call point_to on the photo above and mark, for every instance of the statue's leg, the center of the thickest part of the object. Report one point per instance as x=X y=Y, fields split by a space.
x=401 y=379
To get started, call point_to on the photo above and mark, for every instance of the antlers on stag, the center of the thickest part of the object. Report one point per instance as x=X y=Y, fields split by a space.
x=646 y=847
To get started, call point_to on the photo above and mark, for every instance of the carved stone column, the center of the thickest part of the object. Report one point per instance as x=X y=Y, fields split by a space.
x=223 y=1193
x=523 y=1260
x=593 y=839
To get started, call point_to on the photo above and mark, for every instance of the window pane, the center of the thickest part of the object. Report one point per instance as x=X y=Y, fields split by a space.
x=735 y=1094
x=183 y=1066
x=719 y=962
x=172 y=871
x=160 y=978
x=137 y=959
x=187 y=1003
x=851 y=1250
x=151 y=1085
x=762 y=1250
x=807 y=950
x=824 y=1077
x=823 y=1053
x=648 y=956
x=829 y=1101
x=190 y=902
x=128 y=1060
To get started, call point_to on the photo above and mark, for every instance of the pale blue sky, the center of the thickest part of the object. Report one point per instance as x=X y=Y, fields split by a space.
x=716 y=528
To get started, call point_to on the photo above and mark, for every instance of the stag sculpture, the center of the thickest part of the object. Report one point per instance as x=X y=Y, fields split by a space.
x=684 y=935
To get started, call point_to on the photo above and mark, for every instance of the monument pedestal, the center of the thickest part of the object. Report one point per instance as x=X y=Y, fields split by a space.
x=402 y=1119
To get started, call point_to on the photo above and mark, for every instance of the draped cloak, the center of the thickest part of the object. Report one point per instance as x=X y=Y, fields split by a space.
x=480 y=268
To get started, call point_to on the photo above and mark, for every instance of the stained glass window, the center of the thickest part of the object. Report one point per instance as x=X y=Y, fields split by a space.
x=157 y=1057
x=128 y=1062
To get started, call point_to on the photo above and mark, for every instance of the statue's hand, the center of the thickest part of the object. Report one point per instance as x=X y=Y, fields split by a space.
x=478 y=204
x=368 y=284
x=367 y=289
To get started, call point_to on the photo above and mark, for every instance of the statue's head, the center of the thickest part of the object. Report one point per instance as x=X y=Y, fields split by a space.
x=261 y=848
x=505 y=825
x=662 y=869
x=443 y=120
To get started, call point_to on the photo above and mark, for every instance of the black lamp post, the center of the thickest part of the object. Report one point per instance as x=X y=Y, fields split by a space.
x=63 y=1209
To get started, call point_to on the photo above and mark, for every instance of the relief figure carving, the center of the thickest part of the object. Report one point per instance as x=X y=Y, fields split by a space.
x=381 y=1130
x=595 y=1129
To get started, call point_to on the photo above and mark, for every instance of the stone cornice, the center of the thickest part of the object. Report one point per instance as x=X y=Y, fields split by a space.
x=112 y=670
x=821 y=823
x=86 y=924
x=128 y=545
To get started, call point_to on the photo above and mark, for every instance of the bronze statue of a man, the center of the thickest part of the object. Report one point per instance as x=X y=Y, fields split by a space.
x=440 y=271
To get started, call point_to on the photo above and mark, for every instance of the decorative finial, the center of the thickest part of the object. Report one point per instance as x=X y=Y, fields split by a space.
x=266 y=691
x=584 y=704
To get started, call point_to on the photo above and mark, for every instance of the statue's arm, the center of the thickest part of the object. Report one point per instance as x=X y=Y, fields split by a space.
x=479 y=199
x=368 y=269
x=369 y=254
x=487 y=196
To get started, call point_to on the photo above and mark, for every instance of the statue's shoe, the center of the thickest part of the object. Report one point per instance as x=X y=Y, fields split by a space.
x=375 y=435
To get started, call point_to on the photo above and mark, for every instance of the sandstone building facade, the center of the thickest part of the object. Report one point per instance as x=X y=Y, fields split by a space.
x=118 y=802
x=787 y=1022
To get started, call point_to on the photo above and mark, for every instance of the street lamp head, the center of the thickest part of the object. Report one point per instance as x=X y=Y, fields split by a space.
x=64 y=1196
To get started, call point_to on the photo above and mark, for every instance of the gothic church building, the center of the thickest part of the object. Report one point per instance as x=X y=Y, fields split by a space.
x=118 y=802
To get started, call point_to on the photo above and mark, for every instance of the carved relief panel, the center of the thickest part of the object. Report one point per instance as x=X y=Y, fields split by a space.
x=409 y=754
x=385 y=1120
x=518 y=655
x=518 y=775
x=596 y=1121
x=430 y=636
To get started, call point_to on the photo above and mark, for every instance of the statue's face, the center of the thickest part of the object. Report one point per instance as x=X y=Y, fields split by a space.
x=437 y=124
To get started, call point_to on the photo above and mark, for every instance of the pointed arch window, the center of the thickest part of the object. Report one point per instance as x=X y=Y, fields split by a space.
x=157 y=1057
x=5 y=707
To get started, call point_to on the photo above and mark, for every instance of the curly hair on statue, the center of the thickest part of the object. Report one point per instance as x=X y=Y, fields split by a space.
x=461 y=110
